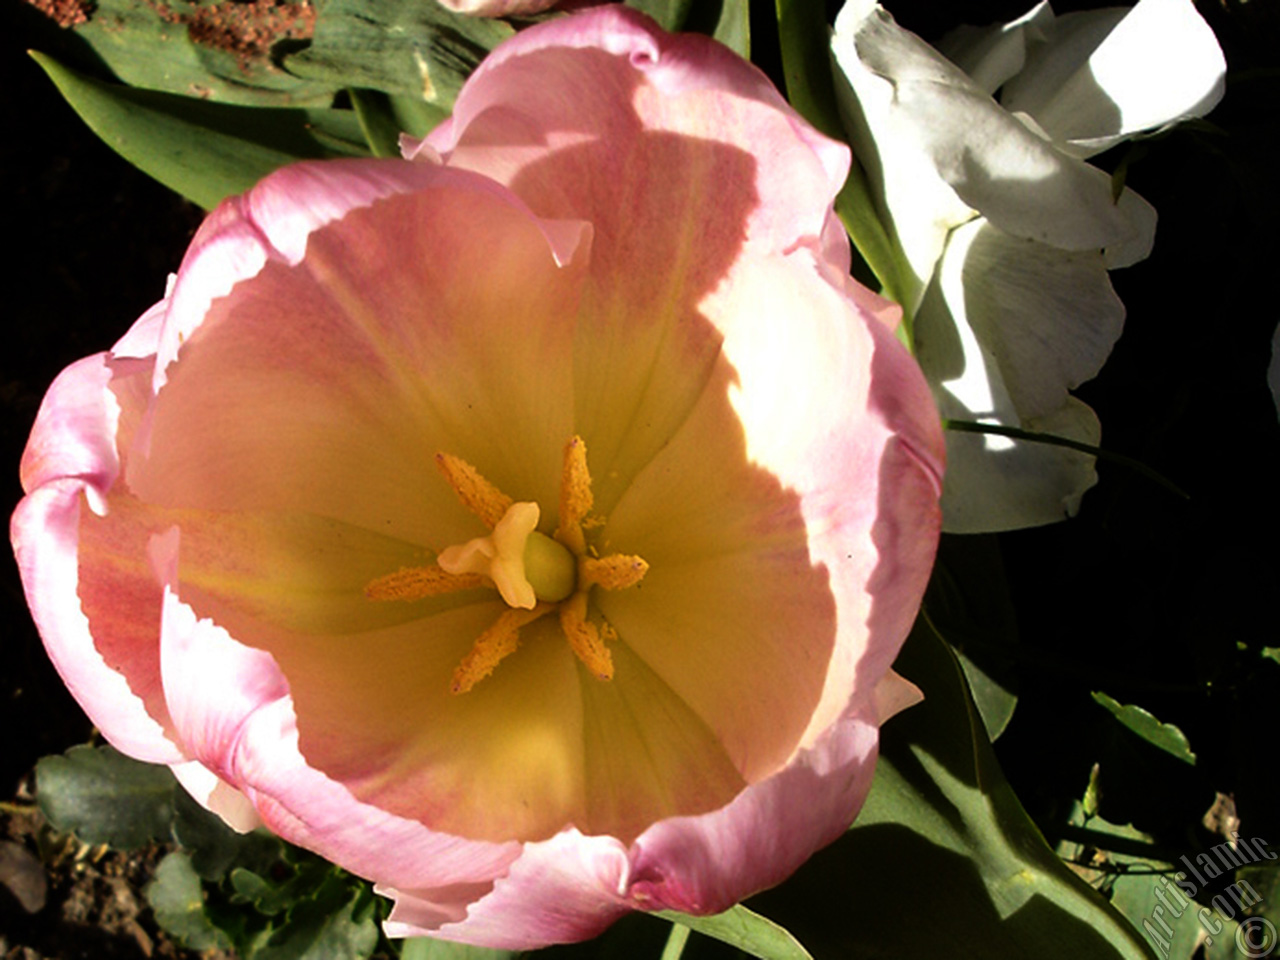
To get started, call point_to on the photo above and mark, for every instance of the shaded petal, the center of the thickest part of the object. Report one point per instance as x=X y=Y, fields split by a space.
x=991 y=55
x=996 y=484
x=620 y=106
x=994 y=163
x=1043 y=321
x=829 y=400
x=1105 y=75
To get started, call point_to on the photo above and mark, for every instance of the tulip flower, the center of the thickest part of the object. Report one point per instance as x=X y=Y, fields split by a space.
x=528 y=527
x=1006 y=235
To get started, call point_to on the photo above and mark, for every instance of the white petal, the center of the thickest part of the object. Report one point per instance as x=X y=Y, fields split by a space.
x=1106 y=75
x=991 y=55
x=1020 y=484
x=1044 y=320
x=916 y=101
x=1008 y=327
x=914 y=201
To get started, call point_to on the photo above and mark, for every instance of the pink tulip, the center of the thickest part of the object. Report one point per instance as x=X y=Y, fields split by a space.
x=262 y=534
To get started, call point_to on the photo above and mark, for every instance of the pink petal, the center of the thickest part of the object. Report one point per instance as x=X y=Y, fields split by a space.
x=71 y=463
x=232 y=709
x=565 y=889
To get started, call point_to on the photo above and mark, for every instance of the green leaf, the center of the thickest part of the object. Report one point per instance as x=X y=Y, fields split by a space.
x=176 y=897
x=969 y=605
x=336 y=923
x=670 y=14
x=410 y=48
x=1163 y=735
x=810 y=81
x=426 y=948
x=943 y=861
x=182 y=49
x=102 y=796
x=1132 y=882
x=1271 y=653
x=749 y=932
x=733 y=29
x=214 y=847
x=204 y=151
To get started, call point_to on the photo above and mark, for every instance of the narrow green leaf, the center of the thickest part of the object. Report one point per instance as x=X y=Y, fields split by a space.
x=377 y=121
x=969 y=605
x=749 y=932
x=673 y=949
x=670 y=14
x=734 y=27
x=417 y=50
x=176 y=897
x=102 y=796
x=204 y=151
x=810 y=80
x=1163 y=735
x=426 y=948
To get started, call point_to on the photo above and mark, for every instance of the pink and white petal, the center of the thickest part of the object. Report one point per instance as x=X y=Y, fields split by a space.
x=563 y=890
x=71 y=463
x=464 y=339
x=273 y=221
x=706 y=864
x=830 y=401
x=729 y=564
x=616 y=92
x=302 y=805
x=233 y=710
x=113 y=687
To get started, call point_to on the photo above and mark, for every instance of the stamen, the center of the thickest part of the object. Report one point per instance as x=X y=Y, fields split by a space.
x=493 y=646
x=617 y=571
x=476 y=493
x=415 y=583
x=584 y=637
x=575 y=496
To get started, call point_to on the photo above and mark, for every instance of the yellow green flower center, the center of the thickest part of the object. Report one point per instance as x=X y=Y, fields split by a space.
x=534 y=574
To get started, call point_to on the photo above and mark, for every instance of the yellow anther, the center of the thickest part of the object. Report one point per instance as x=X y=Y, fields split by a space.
x=575 y=496
x=617 y=571
x=476 y=493
x=493 y=646
x=584 y=637
x=414 y=583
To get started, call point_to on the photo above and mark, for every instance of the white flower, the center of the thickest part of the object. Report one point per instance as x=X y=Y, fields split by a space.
x=1004 y=234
